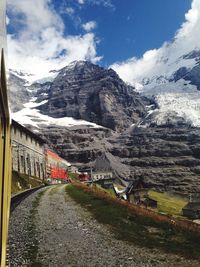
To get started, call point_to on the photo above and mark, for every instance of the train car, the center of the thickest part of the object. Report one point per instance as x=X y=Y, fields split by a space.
x=56 y=168
x=5 y=144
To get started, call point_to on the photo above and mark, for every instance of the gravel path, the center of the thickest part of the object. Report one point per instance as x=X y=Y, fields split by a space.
x=65 y=234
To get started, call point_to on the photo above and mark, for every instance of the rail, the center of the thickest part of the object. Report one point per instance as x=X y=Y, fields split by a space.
x=19 y=197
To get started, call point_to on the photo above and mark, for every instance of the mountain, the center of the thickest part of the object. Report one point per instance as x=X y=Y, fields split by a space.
x=18 y=93
x=22 y=92
x=174 y=84
x=87 y=110
x=86 y=91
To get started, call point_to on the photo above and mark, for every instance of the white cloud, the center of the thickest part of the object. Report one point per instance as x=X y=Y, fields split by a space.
x=160 y=61
x=39 y=44
x=89 y=26
x=7 y=20
x=81 y=2
x=105 y=3
x=70 y=11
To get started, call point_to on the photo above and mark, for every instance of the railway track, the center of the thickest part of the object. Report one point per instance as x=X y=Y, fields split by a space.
x=19 y=197
x=15 y=201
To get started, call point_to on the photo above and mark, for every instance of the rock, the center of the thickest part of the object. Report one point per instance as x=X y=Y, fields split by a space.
x=86 y=91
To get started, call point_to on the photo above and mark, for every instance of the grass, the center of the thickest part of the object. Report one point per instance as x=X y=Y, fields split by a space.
x=167 y=203
x=24 y=181
x=73 y=176
x=140 y=230
x=107 y=190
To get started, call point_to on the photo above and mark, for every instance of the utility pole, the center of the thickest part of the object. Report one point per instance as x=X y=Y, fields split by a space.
x=90 y=158
x=91 y=172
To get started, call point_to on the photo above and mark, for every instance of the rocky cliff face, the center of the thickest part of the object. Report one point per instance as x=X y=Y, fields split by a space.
x=165 y=157
x=18 y=93
x=86 y=91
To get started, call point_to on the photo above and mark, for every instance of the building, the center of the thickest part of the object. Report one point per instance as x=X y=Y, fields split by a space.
x=28 y=151
x=56 y=168
x=102 y=169
x=102 y=173
x=84 y=177
x=136 y=192
x=192 y=209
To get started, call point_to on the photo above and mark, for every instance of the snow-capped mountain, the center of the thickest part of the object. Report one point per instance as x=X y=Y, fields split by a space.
x=80 y=91
x=177 y=91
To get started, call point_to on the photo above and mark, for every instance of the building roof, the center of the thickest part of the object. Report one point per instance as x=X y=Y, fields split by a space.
x=27 y=131
x=55 y=156
x=136 y=185
x=102 y=164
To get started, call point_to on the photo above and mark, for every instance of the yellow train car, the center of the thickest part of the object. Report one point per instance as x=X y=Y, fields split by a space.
x=5 y=143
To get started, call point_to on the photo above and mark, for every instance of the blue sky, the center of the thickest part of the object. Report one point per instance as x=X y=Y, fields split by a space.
x=52 y=33
x=130 y=27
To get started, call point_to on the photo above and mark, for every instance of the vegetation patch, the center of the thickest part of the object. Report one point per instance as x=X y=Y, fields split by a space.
x=129 y=225
x=73 y=176
x=168 y=204
x=21 y=182
x=107 y=190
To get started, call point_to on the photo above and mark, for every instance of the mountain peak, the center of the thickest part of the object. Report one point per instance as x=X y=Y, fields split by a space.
x=83 y=90
x=77 y=64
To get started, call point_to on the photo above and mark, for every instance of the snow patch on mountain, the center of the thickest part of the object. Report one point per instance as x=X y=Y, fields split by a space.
x=159 y=70
x=176 y=100
x=33 y=104
x=30 y=115
x=29 y=79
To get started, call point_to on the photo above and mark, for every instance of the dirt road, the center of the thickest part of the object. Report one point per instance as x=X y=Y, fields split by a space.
x=50 y=229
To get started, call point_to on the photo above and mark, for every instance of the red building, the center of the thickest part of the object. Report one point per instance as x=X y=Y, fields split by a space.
x=83 y=177
x=56 y=168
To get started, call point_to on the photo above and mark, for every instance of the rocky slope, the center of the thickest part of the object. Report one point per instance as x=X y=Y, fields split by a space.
x=86 y=91
x=21 y=92
x=165 y=157
x=18 y=93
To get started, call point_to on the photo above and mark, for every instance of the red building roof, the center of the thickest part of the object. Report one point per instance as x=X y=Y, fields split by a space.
x=53 y=155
